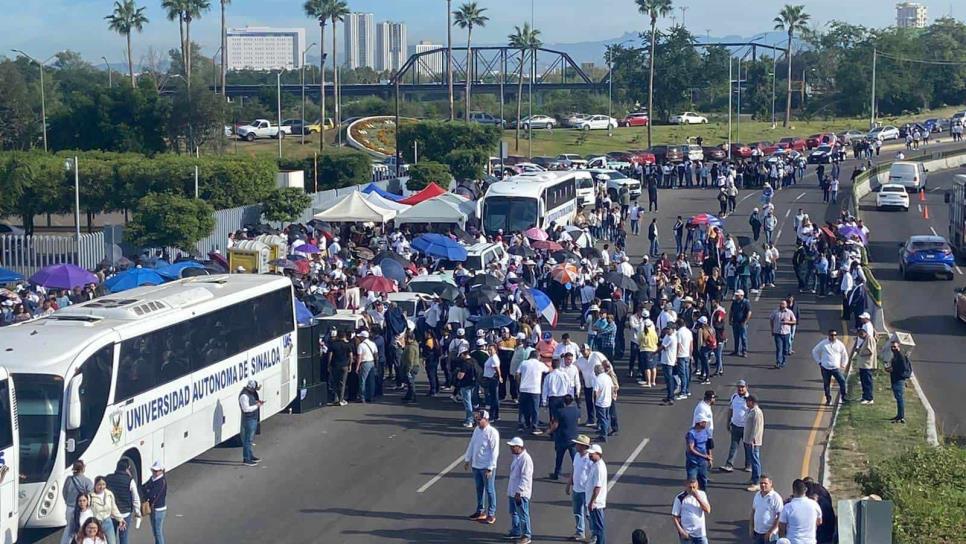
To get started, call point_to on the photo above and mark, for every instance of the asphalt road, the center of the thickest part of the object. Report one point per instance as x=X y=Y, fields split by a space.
x=385 y=472
x=923 y=306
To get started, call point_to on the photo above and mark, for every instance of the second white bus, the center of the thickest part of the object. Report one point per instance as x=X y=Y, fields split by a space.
x=529 y=200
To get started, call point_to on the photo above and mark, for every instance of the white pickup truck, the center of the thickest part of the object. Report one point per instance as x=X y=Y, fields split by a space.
x=606 y=163
x=261 y=128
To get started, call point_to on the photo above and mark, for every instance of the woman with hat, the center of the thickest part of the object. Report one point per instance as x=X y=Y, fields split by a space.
x=155 y=495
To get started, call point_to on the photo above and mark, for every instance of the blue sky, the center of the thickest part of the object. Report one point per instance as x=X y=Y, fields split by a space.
x=42 y=27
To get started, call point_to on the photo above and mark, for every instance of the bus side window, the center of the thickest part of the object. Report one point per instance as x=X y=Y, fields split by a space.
x=6 y=433
x=94 y=390
x=138 y=370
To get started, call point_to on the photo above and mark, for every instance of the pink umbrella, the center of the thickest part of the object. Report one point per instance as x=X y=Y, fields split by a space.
x=379 y=284
x=548 y=245
x=536 y=234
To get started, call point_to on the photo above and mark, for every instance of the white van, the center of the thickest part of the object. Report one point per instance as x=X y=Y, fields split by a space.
x=911 y=175
x=586 y=192
x=480 y=256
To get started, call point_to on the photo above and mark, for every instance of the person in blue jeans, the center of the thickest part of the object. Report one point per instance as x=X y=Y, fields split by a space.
x=697 y=456
x=464 y=383
x=519 y=489
x=481 y=455
x=738 y=317
x=249 y=404
x=156 y=493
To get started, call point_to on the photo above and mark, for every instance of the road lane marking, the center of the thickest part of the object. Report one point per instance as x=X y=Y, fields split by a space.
x=620 y=472
x=919 y=207
x=934 y=189
x=746 y=197
x=959 y=270
x=439 y=476
x=799 y=197
x=822 y=408
x=934 y=233
x=788 y=212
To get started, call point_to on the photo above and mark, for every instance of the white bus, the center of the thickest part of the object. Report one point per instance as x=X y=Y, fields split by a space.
x=150 y=374
x=529 y=200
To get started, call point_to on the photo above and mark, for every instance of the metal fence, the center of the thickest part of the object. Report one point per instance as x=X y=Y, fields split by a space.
x=28 y=254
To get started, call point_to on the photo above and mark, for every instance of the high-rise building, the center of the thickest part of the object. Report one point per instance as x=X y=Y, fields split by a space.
x=391 y=46
x=265 y=48
x=910 y=15
x=359 y=32
x=430 y=66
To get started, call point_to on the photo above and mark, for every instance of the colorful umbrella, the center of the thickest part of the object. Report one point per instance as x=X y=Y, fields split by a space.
x=176 y=270
x=547 y=245
x=307 y=249
x=848 y=231
x=443 y=247
x=379 y=284
x=564 y=273
x=131 y=278
x=544 y=307
x=302 y=314
x=9 y=276
x=705 y=219
x=535 y=233
x=492 y=321
x=392 y=269
x=63 y=276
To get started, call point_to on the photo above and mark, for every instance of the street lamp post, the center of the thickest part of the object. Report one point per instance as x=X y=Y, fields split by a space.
x=278 y=96
x=872 y=97
x=43 y=98
x=71 y=165
x=774 y=69
x=306 y=50
x=110 y=78
x=610 y=94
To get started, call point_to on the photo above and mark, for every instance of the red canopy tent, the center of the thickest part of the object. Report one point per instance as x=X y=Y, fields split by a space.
x=431 y=191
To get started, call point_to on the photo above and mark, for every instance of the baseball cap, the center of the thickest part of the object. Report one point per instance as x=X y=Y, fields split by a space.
x=703 y=320
x=253 y=384
x=158 y=466
x=460 y=331
x=741 y=383
x=480 y=333
x=485 y=414
x=515 y=441
x=547 y=335
x=364 y=334
x=595 y=448
x=740 y=292
x=480 y=342
x=865 y=315
x=521 y=336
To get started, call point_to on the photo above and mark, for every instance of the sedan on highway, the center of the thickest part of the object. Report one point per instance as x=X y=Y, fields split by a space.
x=715 y=153
x=793 y=143
x=821 y=155
x=635 y=120
x=959 y=303
x=891 y=195
x=926 y=254
x=688 y=118
x=887 y=132
x=850 y=136
x=597 y=122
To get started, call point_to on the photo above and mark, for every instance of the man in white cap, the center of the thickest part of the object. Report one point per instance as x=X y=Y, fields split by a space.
x=481 y=455
x=519 y=488
x=597 y=493
x=866 y=323
x=249 y=404
x=739 y=316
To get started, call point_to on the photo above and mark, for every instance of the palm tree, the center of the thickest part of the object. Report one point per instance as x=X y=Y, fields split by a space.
x=337 y=12
x=175 y=10
x=193 y=9
x=468 y=16
x=653 y=9
x=126 y=18
x=224 y=46
x=449 y=56
x=319 y=10
x=791 y=19
x=525 y=39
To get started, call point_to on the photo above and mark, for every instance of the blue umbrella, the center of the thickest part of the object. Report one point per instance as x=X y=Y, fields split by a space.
x=131 y=278
x=302 y=313
x=492 y=321
x=393 y=270
x=173 y=271
x=437 y=245
x=9 y=276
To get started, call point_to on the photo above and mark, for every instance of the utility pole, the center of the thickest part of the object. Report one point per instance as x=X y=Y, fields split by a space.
x=774 y=68
x=43 y=97
x=738 y=122
x=684 y=11
x=278 y=91
x=110 y=78
x=872 y=97
x=730 y=92
x=306 y=50
x=610 y=92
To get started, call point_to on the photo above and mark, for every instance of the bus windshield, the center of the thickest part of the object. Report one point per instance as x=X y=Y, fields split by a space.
x=508 y=213
x=38 y=418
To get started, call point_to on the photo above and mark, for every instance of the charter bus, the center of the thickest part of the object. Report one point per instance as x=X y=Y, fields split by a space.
x=956 y=198
x=150 y=374
x=534 y=199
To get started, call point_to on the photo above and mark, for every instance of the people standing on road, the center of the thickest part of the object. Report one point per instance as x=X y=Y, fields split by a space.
x=92 y=532
x=366 y=355
x=464 y=385
x=104 y=507
x=688 y=512
x=577 y=485
x=738 y=318
x=410 y=364
x=530 y=376
x=685 y=344
x=481 y=456
x=556 y=385
x=603 y=398
x=647 y=362
x=755 y=221
x=737 y=410
x=652 y=236
x=519 y=489
x=339 y=357
x=249 y=404
x=765 y=509
x=865 y=358
x=75 y=485
x=80 y=512
x=782 y=320
x=563 y=429
x=800 y=517
x=156 y=495
x=753 y=436
x=703 y=412
x=697 y=455
x=832 y=357
x=125 y=491
x=900 y=370
x=597 y=494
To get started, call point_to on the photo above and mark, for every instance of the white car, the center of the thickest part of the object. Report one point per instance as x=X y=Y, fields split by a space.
x=910 y=175
x=688 y=118
x=259 y=128
x=573 y=120
x=597 y=122
x=6 y=228
x=892 y=195
x=538 y=121
x=887 y=132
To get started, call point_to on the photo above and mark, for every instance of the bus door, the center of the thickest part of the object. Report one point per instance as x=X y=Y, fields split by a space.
x=9 y=465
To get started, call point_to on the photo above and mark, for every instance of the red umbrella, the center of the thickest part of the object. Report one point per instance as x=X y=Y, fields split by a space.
x=379 y=284
x=536 y=234
x=548 y=245
x=705 y=219
x=565 y=273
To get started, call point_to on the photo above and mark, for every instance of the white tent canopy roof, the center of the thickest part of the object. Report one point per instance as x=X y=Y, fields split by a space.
x=354 y=207
x=432 y=211
x=383 y=202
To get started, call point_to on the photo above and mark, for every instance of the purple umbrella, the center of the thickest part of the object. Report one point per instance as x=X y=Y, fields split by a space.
x=62 y=276
x=848 y=231
x=306 y=248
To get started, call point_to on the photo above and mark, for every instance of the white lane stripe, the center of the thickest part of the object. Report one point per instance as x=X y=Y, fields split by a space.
x=919 y=207
x=959 y=270
x=934 y=233
x=746 y=197
x=934 y=189
x=439 y=476
x=799 y=197
x=627 y=464
x=788 y=212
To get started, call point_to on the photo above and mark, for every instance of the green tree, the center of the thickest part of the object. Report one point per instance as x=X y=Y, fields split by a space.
x=436 y=139
x=466 y=164
x=196 y=119
x=174 y=10
x=127 y=17
x=525 y=39
x=285 y=205
x=466 y=17
x=18 y=124
x=791 y=19
x=32 y=184
x=426 y=172
x=165 y=220
x=343 y=168
x=654 y=9
x=320 y=10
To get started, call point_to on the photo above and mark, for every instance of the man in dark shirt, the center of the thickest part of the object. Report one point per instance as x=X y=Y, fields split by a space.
x=739 y=315
x=900 y=370
x=464 y=383
x=564 y=430
x=340 y=355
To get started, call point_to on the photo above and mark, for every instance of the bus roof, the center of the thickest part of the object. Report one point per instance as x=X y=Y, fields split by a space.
x=49 y=344
x=529 y=185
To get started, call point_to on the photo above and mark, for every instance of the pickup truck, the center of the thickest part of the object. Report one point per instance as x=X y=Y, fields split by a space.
x=260 y=128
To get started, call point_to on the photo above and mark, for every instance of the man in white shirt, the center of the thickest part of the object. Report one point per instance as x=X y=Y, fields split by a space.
x=597 y=493
x=519 y=489
x=586 y=363
x=765 y=509
x=603 y=398
x=530 y=377
x=669 y=359
x=366 y=356
x=801 y=517
x=685 y=343
x=832 y=356
x=577 y=486
x=737 y=411
x=481 y=455
x=688 y=512
x=703 y=411
x=566 y=345
x=573 y=374
x=556 y=385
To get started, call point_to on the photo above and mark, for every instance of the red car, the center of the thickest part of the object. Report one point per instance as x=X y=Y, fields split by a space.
x=635 y=120
x=767 y=148
x=716 y=153
x=821 y=138
x=639 y=156
x=793 y=142
x=740 y=151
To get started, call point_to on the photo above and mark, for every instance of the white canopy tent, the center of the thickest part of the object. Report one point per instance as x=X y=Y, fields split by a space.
x=433 y=211
x=466 y=206
x=382 y=202
x=354 y=207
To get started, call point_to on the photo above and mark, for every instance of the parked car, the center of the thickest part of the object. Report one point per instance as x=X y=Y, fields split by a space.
x=6 y=228
x=911 y=175
x=536 y=121
x=910 y=128
x=793 y=142
x=484 y=118
x=543 y=162
x=569 y=160
x=740 y=151
x=926 y=254
x=851 y=135
x=639 y=119
x=959 y=303
x=687 y=118
x=760 y=146
x=936 y=125
x=816 y=140
x=769 y=148
x=573 y=119
x=641 y=156
x=692 y=152
x=613 y=181
x=821 y=155
x=258 y=129
x=892 y=195
x=716 y=153
x=296 y=126
x=597 y=122
x=665 y=153
x=887 y=132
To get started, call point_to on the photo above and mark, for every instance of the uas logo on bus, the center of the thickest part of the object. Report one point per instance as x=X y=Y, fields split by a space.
x=116 y=430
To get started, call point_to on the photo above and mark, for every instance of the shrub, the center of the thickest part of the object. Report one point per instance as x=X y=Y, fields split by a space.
x=466 y=163
x=438 y=138
x=426 y=172
x=164 y=220
x=285 y=205
x=341 y=168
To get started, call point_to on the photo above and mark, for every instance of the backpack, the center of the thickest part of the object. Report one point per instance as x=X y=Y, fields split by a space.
x=710 y=340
